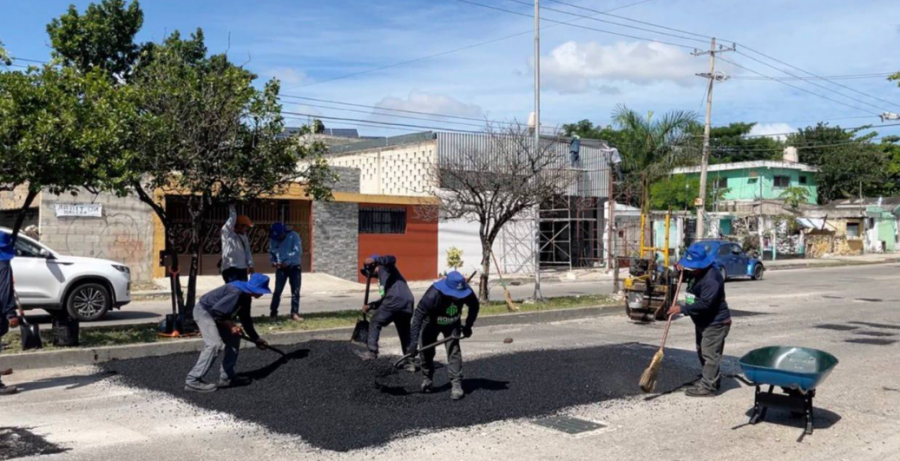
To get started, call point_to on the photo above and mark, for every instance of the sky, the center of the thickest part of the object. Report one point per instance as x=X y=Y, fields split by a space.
x=359 y=52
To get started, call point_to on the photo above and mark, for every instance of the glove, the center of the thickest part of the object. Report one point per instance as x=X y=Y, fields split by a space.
x=262 y=344
x=467 y=331
x=412 y=350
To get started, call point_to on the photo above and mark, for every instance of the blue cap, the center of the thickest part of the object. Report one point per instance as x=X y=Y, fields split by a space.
x=7 y=251
x=454 y=285
x=277 y=231
x=696 y=257
x=258 y=284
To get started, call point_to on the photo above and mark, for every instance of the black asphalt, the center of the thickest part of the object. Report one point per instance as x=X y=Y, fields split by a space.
x=331 y=399
x=18 y=442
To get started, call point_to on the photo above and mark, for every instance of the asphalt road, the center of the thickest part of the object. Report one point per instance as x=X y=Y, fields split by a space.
x=851 y=312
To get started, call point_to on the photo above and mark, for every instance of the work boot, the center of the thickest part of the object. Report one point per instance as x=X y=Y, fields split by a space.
x=456 y=393
x=8 y=390
x=273 y=315
x=200 y=386
x=699 y=391
x=237 y=381
x=427 y=386
x=410 y=366
x=6 y=371
x=367 y=355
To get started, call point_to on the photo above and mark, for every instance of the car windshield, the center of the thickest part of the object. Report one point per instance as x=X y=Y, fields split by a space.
x=27 y=249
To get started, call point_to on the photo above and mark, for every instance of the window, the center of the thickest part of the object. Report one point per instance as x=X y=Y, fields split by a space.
x=382 y=220
x=724 y=250
x=782 y=181
x=852 y=229
x=802 y=179
x=27 y=249
x=722 y=183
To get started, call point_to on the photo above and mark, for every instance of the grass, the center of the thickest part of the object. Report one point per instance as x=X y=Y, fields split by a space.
x=146 y=333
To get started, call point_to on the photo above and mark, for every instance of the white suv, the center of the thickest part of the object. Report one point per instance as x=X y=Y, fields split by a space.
x=85 y=287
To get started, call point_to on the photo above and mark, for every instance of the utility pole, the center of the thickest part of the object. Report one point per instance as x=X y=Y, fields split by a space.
x=713 y=77
x=537 y=144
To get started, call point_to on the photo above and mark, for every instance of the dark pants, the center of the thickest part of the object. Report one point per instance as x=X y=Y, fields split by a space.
x=7 y=299
x=383 y=318
x=430 y=334
x=233 y=274
x=4 y=327
x=216 y=339
x=710 y=347
x=290 y=274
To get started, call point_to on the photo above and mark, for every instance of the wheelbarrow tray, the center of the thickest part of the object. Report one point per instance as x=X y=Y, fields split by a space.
x=797 y=368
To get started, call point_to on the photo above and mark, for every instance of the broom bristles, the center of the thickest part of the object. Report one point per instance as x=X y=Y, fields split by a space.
x=648 y=378
x=510 y=305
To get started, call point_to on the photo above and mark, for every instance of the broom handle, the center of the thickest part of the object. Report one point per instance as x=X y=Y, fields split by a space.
x=669 y=321
x=497 y=265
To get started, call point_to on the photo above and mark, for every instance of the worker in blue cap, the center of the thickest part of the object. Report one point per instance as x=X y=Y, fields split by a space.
x=9 y=318
x=215 y=315
x=395 y=305
x=705 y=304
x=285 y=251
x=439 y=313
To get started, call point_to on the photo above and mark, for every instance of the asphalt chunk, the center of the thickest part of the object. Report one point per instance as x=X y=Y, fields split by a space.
x=333 y=400
x=872 y=341
x=19 y=442
x=878 y=325
x=831 y=326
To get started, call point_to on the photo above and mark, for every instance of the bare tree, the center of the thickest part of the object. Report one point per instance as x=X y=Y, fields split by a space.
x=495 y=176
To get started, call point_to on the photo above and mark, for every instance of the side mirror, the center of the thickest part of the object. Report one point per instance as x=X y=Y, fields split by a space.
x=736 y=251
x=46 y=254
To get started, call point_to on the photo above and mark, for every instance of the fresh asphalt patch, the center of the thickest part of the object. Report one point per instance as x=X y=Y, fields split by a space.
x=332 y=400
x=19 y=442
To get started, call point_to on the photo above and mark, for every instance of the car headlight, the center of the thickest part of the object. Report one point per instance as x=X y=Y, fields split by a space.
x=122 y=269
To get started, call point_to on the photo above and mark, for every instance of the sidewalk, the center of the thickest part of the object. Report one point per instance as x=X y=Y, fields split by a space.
x=875 y=258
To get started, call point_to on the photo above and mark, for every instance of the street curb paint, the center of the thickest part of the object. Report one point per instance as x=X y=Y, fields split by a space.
x=96 y=355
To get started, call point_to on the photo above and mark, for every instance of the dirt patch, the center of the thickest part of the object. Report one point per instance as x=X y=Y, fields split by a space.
x=19 y=442
x=335 y=401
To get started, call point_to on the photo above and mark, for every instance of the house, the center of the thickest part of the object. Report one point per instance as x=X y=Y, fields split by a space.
x=855 y=226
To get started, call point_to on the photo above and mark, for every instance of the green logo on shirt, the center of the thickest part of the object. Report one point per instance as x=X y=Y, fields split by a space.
x=689 y=299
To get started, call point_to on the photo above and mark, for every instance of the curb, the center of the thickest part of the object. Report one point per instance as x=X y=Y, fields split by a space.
x=833 y=263
x=96 y=355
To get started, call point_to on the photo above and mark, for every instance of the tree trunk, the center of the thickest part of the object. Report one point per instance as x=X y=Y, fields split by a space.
x=483 y=280
x=20 y=216
x=173 y=269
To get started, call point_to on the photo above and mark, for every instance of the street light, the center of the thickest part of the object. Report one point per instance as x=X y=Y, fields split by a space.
x=889 y=116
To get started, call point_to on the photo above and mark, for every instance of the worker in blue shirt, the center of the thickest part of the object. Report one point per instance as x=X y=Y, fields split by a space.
x=9 y=318
x=285 y=250
x=395 y=305
x=705 y=304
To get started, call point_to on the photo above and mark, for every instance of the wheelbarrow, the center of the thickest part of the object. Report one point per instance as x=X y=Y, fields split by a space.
x=798 y=371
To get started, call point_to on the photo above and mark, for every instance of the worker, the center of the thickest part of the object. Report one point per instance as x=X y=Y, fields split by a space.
x=9 y=318
x=215 y=314
x=285 y=249
x=439 y=312
x=395 y=305
x=237 y=258
x=705 y=304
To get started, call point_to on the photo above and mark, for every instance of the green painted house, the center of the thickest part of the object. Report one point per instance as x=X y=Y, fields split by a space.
x=757 y=180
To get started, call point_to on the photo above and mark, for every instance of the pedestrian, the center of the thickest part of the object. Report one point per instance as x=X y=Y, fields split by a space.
x=439 y=312
x=9 y=318
x=705 y=304
x=237 y=257
x=215 y=315
x=395 y=305
x=285 y=250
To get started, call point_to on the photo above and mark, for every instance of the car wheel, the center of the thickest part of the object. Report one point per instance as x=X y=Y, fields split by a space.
x=724 y=274
x=758 y=272
x=88 y=302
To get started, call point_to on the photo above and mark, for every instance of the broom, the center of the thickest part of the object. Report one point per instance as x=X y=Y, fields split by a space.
x=648 y=377
x=510 y=305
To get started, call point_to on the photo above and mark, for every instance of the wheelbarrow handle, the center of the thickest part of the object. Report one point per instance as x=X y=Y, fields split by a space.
x=425 y=348
x=272 y=348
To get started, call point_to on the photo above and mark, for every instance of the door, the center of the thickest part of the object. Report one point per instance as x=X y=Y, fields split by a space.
x=37 y=275
x=740 y=261
x=724 y=258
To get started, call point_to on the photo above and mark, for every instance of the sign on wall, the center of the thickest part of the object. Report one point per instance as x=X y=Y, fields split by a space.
x=79 y=210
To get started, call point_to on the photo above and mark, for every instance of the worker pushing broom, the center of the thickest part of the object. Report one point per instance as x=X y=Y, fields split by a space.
x=705 y=304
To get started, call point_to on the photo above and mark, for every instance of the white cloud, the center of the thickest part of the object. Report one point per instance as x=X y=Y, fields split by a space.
x=421 y=101
x=289 y=76
x=578 y=67
x=772 y=130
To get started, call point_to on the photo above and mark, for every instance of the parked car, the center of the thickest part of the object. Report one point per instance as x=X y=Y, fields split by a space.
x=86 y=288
x=731 y=260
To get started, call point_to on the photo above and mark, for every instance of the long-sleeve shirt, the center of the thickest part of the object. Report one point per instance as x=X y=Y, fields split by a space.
x=395 y=293
x=226 y=303
x=443 y=310
x=286 y=251
x=235 y=247
x=705 y=300
x=7 y=291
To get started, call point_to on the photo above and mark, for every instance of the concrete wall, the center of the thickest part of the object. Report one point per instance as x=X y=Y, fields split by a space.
x=394 y=170
x=124 y=234
x=335 y=239
x=744 y=187
x=513 y=246
x=416 y=250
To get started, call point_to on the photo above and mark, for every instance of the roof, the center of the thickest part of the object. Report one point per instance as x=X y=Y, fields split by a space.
x=424 y=136
x=886 y=202
x=772 y=164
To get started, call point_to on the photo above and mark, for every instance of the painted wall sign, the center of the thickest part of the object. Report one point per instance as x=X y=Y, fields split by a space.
x=79 y=210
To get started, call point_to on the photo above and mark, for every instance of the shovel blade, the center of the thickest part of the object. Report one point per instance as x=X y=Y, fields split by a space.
x=31 y=336
x=361 y=332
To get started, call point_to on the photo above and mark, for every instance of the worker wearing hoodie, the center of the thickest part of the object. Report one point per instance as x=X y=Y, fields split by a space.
x=705 y=304
x=395 y=305
x=439 y=313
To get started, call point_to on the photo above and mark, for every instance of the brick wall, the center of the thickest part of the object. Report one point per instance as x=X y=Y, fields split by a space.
x=348 y=179
x=335 y=238
x=124 y=233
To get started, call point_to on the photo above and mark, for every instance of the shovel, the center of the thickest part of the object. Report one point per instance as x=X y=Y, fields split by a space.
x=361 y=330
x=29 y=332
x=271 y=348
x=406 y=357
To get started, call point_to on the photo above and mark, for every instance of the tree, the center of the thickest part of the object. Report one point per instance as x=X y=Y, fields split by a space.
x=101 y=38
x=891 y=149
x=794 y=196
x=732 y=144
x=496 y=176
x=56 y=126
x=4 y=56
x=586 y=129
x=678 y=192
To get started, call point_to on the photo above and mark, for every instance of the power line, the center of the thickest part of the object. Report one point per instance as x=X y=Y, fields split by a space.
x=852 y=128
x=830 y=77
x=415 y=112
x=375 y=122
x=360 y=111
x=606 y=13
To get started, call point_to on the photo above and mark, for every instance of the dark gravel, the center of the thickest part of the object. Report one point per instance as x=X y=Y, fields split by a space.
x=18 y=442
x=331 y=399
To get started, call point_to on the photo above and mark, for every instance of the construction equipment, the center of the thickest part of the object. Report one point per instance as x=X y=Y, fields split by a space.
x=648 y=378
x=361 y=330
x=30 y=333
x=267 y=347
x=649 y=287
x=406 y=357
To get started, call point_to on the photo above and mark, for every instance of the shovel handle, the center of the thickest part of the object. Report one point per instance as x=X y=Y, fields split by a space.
x=273 y=349
x=425 y=348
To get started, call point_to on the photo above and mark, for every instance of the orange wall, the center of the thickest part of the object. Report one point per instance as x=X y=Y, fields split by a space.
x=416 y=250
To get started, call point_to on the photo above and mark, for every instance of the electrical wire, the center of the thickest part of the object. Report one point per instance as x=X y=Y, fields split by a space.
x=410 y=117
x=415 y=112
x=830 y=77
x=607 y=13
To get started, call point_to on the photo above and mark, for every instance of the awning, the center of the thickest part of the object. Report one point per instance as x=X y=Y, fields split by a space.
x=812 y=223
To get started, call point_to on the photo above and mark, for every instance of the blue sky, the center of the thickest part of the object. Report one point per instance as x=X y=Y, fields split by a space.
x=586 y=73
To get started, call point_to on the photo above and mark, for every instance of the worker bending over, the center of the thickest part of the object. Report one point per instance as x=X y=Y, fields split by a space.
x=215 y=314
x=395 y=305
x=439 y=312
x=705 y=304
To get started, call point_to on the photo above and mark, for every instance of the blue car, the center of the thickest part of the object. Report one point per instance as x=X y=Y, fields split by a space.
x=731 y=259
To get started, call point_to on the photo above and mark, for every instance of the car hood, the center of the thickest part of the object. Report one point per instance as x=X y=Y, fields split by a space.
x=83 y=260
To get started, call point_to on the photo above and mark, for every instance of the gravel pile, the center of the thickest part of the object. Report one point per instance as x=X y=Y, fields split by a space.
x=333 y=400
x=18 y=442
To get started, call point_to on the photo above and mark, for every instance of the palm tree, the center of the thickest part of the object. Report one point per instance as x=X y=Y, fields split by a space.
x=652 y=147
